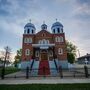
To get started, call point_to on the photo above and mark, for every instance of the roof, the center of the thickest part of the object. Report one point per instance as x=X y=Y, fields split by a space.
x=87 y=55
x=57 y=24
x=29 y=25
x=41 y=31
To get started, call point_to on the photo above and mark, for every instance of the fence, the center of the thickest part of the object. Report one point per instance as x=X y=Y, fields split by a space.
x=61 y=73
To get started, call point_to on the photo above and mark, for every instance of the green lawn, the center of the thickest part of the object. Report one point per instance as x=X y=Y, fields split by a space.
x=9 y=70
x=46 y=87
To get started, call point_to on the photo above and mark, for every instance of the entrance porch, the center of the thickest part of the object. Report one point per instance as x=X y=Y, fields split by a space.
x=43 y=51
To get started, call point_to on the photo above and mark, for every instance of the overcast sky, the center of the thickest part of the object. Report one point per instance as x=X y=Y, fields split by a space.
x=73 y=14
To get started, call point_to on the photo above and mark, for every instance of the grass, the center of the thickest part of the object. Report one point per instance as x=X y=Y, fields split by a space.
x=9 y=70
x=46 y=87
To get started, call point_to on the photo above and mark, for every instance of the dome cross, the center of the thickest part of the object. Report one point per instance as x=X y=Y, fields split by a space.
x=30 y=20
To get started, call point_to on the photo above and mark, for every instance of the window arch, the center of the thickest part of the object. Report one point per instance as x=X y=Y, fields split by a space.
x=60 y=51
x=27 y=52
x=43 y=41
x=50 y=53
x=25 y=32
x=40 y=42
x=43 y=34
x=53 y=30
x=28 y=31
x=61 y=30
x=37 y=53
x=61 y=39
x=32 y=31
x=57 y=39
x=27 y=40
x=47 y=41
x=58 y=30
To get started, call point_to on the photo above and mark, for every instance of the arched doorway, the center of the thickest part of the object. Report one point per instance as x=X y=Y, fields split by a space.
x=44 y=55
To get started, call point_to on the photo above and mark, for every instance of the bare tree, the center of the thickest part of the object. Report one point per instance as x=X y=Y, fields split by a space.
x=7 y=54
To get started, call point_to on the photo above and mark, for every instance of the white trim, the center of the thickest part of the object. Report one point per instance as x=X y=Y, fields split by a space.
x=59 y=39
x=28 y=40
x=60 y=51
x=27 y=52
x=43 y=45
x=37 y=54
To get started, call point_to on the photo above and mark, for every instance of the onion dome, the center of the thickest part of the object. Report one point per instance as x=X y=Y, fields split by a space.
x=57 y=27
x=30 y=25
x=29 y=28
x=57 y=24
x=44 y=27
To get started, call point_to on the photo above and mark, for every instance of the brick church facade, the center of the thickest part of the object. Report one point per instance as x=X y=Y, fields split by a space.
x=44 y=45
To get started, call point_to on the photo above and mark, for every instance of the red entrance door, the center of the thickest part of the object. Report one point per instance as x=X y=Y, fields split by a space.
x=44 y=65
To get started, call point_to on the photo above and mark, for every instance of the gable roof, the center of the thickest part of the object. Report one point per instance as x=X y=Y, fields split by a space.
x=43 y=31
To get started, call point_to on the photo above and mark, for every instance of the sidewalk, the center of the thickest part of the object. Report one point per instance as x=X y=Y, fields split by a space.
x=44 y=81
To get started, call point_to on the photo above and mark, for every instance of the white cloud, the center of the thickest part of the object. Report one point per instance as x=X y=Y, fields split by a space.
x=11 y=27
x=20 y=12
x=83 y=9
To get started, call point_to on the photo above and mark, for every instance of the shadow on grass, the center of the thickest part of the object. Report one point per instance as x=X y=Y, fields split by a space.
x=46 y=87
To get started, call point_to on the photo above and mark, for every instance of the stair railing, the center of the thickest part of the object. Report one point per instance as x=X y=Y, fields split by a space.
x=31 y=65
x=56 y=64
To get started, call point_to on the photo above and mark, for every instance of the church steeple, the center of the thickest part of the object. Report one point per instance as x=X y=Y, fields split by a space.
x=29 y=28
x=43 y=26
x=57 y=27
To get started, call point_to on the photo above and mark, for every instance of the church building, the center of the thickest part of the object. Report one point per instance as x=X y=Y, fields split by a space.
x=44 y=49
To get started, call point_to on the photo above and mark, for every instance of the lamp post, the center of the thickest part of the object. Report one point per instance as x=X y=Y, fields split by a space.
x=86 y=61
x=86 y=68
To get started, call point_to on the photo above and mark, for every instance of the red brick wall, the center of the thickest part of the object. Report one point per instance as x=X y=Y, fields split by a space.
x=27 y=46
x=47 y=36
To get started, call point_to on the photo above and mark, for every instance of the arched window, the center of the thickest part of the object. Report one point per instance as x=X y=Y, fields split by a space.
x=29 y=40
x=25 y=32
x=37 y=53
x=60 y=51
x=61 y=30
x=53 y=30
x=43 y=34
x=27 y=52
x=28 y=31
x=32 y=31
x=57 y=39
x=40 y=42
x=47 y=41
x=61 y=39
x=50 y=53
x=25 y=40
x=58 y=30
x=44 y=41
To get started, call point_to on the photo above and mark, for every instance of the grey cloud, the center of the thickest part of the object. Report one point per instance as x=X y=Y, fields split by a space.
x=82 y=9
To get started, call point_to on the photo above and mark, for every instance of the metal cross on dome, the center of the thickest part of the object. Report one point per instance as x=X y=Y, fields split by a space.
x=56 y=19
x=43 y=22
x=30 y=20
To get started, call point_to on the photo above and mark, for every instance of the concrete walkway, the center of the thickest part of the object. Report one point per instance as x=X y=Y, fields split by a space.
x=44 y=81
